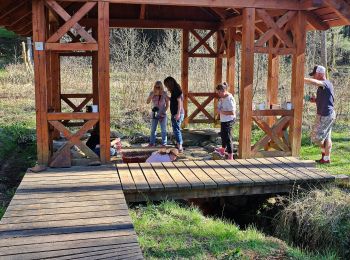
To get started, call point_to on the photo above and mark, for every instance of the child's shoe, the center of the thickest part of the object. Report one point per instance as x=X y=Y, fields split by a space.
x=220 y=151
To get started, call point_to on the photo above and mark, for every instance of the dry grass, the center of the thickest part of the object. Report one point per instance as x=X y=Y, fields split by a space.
x=136 y=64
x=318 y=220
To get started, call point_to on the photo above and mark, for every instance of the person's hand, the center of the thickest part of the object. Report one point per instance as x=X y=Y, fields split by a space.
x=177 y=117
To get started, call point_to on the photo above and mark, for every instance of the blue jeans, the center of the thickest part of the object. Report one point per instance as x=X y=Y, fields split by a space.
x=112 y=151
x=154 y=124
x=177 y=128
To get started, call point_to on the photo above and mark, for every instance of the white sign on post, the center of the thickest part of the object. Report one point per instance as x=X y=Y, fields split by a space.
x=39 y=46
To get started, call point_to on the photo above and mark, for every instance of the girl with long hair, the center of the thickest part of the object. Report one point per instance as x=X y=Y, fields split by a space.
x=176 y=109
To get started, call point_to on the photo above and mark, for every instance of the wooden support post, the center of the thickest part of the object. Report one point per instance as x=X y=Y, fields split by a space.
x=297 y=88
x=54 y=83
x=94 y=63
x=272 y=84
x=184 y=71
x=246 y=88
x=40 y=75
x=49 y=95
x=231 y=59
x=103 y=80
x=218 y=69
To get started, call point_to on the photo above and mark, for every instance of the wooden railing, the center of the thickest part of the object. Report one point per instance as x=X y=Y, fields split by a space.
x=200 y=107
x=276 y=135
x=76 y=108
x=62 y=157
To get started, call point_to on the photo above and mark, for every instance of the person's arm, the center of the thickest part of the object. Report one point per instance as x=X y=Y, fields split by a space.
x=314 y=82
x=167 y=101
x=150 y=97
x=179 y=107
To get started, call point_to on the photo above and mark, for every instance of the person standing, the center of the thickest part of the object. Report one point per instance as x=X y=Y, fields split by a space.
x=227 y=111
x=322 y=128
x=176 y=109
x=160 y=104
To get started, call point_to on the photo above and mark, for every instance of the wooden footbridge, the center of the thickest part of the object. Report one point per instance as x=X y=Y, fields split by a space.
x=81 y=212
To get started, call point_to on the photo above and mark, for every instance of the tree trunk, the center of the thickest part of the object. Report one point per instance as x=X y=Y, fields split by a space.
x=324 y=48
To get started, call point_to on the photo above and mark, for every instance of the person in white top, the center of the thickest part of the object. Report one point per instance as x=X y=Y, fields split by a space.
x=163 y=155
x=227 y=111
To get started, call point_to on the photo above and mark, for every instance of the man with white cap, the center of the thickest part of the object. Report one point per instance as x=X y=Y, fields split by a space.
x=321 y=131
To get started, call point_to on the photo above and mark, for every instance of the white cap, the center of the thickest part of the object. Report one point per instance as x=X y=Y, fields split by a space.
x=321 y=69
x=318 y=69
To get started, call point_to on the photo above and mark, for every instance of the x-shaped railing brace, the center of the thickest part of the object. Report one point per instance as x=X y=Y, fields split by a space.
x=73 y=139
x=70 y=21
x=201 y=107
x=272 y=133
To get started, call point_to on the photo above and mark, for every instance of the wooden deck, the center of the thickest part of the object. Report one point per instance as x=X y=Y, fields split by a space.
x=81 y=212
x=202 y=179
x=69 y=214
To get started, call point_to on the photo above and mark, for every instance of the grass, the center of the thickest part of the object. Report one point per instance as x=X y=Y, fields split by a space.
x=317 y=220
x=11 y=136
x=340 y=152
x=172 y=231
x=2 y=210
x=17 y=154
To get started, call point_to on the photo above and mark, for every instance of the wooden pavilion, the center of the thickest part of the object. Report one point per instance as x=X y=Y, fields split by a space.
x=273 y=27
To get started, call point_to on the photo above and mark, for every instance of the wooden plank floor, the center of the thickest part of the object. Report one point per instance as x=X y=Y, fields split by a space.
x=72 y=213
x=196 y=179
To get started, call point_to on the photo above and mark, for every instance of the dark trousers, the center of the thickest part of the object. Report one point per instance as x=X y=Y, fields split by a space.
x=226 y=135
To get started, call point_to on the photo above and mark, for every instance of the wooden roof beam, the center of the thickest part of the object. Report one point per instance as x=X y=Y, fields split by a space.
x=316 y=22
x=210 y=12
x=154 y=24
x=237 y=20
x=341 y=7
x=277 y=4
x=15 y=15
x=15 y=7
x=311 y=4
x=221 y=13
x=233 y=22
x=24 y=30
x=18 y=26
x=142 y=11
x=20 y=19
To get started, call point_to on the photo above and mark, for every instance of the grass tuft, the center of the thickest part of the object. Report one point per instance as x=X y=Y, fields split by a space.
x=318 y=220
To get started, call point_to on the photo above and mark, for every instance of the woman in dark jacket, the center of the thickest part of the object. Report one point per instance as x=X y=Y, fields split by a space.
x=176 y=109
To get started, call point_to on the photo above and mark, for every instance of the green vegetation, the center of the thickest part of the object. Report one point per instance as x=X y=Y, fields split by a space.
x=17 y=154
x=171 y=231
x=340 y=153
x=10 y=47
x=318 y=220
x=14 y=135
x=6 y=34
x=2 y=210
